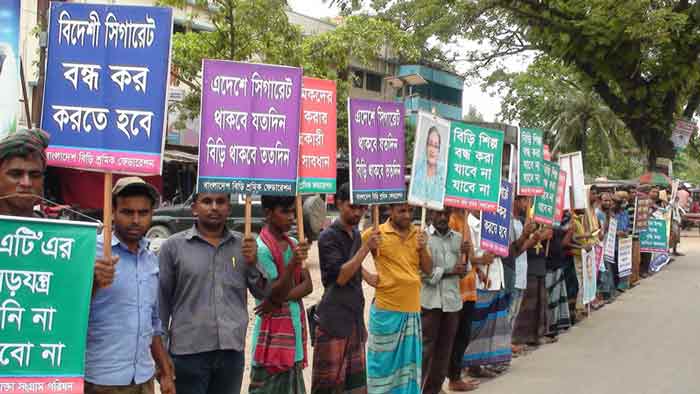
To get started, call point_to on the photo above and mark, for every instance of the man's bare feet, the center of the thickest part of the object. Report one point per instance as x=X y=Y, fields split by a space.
x=462 y=386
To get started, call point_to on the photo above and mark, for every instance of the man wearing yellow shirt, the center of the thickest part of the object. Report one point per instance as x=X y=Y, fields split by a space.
x=394 y=353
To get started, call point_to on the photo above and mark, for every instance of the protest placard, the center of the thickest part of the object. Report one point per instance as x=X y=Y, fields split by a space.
x=429 y=169
x=45 y=284
x=642 y=211
x=317 y=140
x=377 y=161
x=654 y=238
x=250 y=116
x=106 y=87
x=545 y=204
x=530 y=158
x=610 y=237
x=624 y=257
x=474 y=167
x=561 y=195
x=9 y=65
x=495 y=226
x=572 y=164
x=589 y=275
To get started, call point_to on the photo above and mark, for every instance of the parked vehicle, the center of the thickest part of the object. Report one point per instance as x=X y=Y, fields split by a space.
x=172 y=219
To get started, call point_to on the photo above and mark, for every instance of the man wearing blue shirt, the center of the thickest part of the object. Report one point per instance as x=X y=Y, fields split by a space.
x=124 y=344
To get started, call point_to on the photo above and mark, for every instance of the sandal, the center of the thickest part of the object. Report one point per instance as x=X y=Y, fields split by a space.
x=482 y=373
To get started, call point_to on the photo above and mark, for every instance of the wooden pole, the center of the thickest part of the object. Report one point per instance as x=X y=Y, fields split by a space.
x=300 y=224
x=27 y=113
x=248 y=216
x=423 y=212
x=375 y=216
x=375 y=219
x=107 y=216
x=300 y=219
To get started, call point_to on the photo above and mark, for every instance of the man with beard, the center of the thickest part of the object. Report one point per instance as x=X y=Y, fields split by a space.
x=394 y=349
x=441 y=300
x=606 y=278
x=339 y=340
x=22 y=168
x=279 y=336
x=204 y=274
x=124 y=328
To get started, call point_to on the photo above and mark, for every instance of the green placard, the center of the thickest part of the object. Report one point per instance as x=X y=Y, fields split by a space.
x=654 y=238
x=530 y=158
x=545 y=205
x=474 y=169
x=46 y=269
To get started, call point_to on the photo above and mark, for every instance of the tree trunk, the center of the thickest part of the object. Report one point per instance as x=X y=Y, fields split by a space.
x=651 y=159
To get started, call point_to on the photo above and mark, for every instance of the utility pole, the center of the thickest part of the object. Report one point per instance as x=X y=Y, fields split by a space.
x=38 y=93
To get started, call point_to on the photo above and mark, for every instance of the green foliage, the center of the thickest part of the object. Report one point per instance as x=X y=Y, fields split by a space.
x=258 y=30
x=473 y=114
x=638 y=56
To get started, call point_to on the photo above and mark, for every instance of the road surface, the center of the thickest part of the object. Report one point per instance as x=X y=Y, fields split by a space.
x=647 y=342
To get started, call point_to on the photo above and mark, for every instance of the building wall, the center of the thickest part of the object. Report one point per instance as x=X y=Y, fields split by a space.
x=443 y=91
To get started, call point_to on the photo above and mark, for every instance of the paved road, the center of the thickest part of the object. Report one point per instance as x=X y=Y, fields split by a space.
x=648 y=342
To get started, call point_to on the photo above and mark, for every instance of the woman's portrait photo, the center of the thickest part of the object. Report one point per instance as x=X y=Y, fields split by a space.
x=429 y=170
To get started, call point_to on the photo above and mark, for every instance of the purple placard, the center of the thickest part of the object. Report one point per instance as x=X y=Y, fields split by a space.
x=377 y=160
x=250 y=128
x=495 y=226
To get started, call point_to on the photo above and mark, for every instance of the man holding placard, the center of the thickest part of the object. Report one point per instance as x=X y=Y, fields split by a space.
x=22 y=167
x=280 y=332
x=340 y=337
x=441 y=301
x=394 y=352
x=124 y=330
x=205 y=273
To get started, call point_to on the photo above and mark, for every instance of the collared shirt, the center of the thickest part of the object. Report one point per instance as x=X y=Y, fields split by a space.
x=441 y=288
x=123 y=319
x=467 y=286
x=495 y=269
x=342 y=307
x=520 y=261
x=623 y=221
x=203 y=292
x=398 y=266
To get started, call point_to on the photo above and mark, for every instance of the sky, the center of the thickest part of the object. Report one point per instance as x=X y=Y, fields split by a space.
x=486 y=104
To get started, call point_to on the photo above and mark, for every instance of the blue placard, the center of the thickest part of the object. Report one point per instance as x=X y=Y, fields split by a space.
x=106 y=86
x=495 y=226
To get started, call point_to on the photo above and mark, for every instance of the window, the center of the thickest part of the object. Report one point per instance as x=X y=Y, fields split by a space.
x=374 y=82
x=358 y=79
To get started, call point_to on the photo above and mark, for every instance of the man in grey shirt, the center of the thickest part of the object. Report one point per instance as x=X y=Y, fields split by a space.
x=205 y=273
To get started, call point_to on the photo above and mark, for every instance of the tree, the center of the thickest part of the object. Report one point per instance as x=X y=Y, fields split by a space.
x=258 y=30
x=473 y=114
x=639 y=56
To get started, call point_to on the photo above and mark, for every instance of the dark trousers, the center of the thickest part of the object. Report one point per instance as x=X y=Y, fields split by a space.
x=461 y=340
x=215 y=372
x=439 y=330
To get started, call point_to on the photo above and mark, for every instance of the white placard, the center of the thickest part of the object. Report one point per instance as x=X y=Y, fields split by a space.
x=624 y=257
x=572 y=164
x=609 y=251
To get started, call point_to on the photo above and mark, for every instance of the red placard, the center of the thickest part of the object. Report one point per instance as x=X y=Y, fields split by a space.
x=546 y=154
x=317 y=139
x=561 y=195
